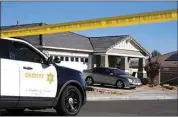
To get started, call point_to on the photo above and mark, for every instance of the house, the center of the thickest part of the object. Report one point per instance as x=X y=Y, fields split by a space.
x=81 y=52
x=173 y=57
x=169 y=68
x=163 y=60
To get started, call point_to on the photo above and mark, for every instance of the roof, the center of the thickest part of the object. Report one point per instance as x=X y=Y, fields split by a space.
x=58 y=40
x=21 y=25
x=101 y=44
x=162 y=59
x=67 y=40
x=70 y=40
x=173 y=57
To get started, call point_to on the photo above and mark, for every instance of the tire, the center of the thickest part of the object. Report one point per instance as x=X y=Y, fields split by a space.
x=102 y=85
x=120 y=84
x=66 y=102
x=15 y=111
x=89 y=81
x=132 y=87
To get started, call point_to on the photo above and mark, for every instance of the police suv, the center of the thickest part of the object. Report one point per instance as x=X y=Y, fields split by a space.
x=30 y=79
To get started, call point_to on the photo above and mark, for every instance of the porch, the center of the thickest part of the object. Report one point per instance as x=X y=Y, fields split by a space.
x=121 y=62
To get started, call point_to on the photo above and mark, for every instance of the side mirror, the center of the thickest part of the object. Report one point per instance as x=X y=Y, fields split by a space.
x=111 y=74
x=50 y=60
x=57 y=60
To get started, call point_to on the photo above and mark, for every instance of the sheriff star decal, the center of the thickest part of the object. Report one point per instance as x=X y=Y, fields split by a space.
x=50 y=78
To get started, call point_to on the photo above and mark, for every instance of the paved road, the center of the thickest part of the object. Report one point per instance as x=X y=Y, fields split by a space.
x=116 y=108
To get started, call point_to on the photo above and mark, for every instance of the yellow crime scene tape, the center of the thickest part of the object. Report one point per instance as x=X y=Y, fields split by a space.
x=126 y=20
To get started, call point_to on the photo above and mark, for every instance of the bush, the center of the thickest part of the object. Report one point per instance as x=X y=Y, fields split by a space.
x=152 y=69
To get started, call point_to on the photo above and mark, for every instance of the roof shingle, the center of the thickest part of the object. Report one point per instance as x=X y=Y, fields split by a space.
x=101 y=44
x=67 y=40
x=60 y=40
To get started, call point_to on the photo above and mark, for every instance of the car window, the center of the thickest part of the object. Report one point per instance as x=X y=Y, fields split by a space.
x=119 y=72
x=4 y=48
x=94 y=70
x=107 y=71
x=22 y=52
x=99 y=70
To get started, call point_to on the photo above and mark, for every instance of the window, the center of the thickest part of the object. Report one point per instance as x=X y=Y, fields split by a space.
x=22 y=52
x=66 y=58
x=107 y=71
x=4 y=48
x=82 y=59
x=76 y=59
x=62 y=58
x=72 y=58
x=99 y=70
x=119 y=72
x=86 y=60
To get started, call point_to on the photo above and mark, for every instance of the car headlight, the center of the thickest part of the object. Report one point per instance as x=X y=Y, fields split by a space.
x=130 y=80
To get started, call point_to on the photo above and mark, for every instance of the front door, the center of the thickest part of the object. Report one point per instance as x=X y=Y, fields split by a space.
x=9 y=77
x=108 y=76
x=97 y=75
x=38 y=81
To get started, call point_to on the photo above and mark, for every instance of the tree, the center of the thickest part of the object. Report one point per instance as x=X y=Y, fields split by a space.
x=152 y=69
x=155 y=53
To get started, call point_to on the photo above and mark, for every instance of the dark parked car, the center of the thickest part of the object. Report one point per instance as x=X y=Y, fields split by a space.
x=110 y=76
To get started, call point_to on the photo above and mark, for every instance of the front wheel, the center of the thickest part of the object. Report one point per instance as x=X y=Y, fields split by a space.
x=70 y=102
x=132 y=87
x=89 y=81
x=120 y=84
x=15 y=111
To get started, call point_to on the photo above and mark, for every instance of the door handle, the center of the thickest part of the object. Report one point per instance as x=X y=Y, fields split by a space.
x=28 y=68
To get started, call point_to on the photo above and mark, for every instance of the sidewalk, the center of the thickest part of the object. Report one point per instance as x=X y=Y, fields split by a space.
x=137 y=94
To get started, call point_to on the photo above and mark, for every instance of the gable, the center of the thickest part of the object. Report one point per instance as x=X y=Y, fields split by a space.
x=126 y=45
x=101 y=44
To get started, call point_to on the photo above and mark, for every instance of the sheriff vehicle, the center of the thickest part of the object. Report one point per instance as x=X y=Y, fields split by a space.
x=30 y=79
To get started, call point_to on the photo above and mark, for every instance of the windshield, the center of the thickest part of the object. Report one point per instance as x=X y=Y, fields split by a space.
x=119 y=72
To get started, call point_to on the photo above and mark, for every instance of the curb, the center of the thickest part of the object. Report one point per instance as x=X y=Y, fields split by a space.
x=92 y=89
x=107 y=91
x=130 y=98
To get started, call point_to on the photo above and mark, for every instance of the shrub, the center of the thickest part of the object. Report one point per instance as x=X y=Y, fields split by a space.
x=152 y=69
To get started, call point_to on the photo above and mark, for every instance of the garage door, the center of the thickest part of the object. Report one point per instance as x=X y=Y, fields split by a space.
x=78 y=63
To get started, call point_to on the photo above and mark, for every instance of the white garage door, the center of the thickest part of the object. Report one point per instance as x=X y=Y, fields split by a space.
x=78 y=63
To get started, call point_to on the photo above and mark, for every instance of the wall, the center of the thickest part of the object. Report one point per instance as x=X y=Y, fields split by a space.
x=169 y=75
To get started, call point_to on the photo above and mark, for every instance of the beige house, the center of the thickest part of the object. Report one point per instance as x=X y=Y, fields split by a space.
x=118 y=51
x=169 y=68
x=81 y=52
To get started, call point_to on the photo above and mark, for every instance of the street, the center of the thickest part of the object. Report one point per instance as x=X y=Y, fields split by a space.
x=119 y=108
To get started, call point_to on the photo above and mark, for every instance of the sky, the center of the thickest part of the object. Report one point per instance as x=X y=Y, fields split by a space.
x=157 y=36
